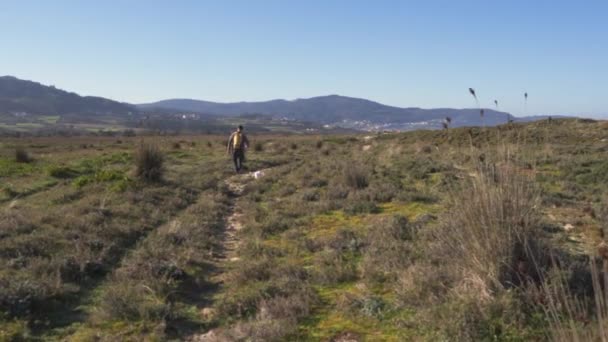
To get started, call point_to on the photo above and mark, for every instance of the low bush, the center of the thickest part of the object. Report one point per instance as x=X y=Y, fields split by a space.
x=356 y=177
x=337 y=192
x=356 y=207
x=333 y=267
x=276 y=318
x=492 y=235
x=310 y=195
x=62 y=172
x=388 y=248
x=21 y=155
x=149 y=162
x=131 y=302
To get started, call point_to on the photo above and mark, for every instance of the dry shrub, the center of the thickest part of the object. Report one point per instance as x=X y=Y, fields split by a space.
x=13 y=223
x=332 y=267
x=491 y=234
x=577 y=318
x=311 y=196
x=426 y=149
x=276 y=318
x=149 y=162
x=251 y=271
x=361 y=302
x=422 y=283
x=21 y=155
x=384 y=191
x=355 y=176
x=345 y=240
x=131 y=301
x=337 y=192
x=388 y=248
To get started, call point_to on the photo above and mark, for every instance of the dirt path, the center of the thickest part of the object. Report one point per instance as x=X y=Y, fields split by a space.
x=236 y=185
x=230 y=242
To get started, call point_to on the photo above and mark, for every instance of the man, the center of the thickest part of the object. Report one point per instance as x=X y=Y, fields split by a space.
x=237 y=144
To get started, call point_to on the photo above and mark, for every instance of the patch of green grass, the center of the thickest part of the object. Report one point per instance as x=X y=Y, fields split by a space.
x=11 y=168
x=411 y=210
x=29 y=125
x=50 y=119
x=328 y=321
x=14 y=330
x=62 y=172
x=120 y=181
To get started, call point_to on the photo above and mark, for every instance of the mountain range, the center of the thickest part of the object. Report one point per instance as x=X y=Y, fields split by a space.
x=26 y=98
x=337 y=110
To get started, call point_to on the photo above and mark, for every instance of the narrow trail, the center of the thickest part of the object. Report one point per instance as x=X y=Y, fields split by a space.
x=229 y=246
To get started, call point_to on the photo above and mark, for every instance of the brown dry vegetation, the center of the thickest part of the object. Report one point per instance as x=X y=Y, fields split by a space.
x=482 y=234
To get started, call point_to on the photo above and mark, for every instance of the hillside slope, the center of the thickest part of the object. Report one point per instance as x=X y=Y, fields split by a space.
x=21 y=96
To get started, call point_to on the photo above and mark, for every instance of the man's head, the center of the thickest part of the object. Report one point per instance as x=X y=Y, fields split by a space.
x=240 y=128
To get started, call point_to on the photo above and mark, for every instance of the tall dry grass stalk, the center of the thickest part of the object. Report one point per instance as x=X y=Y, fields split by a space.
x=149 y=162
x=492 y=225
x=575 y=318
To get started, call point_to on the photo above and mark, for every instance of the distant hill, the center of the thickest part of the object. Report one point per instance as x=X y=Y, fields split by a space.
x=25 y=105
x=20 y=96
x=335 y=109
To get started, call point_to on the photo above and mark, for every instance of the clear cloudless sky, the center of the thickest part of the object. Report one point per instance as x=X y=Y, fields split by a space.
x=403 y=53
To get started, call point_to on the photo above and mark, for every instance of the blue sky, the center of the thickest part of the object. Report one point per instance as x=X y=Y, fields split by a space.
x=403 y=53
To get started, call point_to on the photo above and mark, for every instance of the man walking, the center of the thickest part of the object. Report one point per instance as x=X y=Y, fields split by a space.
x=237 y=144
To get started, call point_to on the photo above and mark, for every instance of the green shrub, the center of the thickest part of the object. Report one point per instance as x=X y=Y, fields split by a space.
x=62 y=172
x=81 y=181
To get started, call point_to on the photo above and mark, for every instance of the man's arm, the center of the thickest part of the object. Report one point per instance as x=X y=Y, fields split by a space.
x=229 y=146
x=245 y=141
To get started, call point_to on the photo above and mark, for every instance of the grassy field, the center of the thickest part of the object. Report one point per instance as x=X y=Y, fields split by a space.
x=460 y=234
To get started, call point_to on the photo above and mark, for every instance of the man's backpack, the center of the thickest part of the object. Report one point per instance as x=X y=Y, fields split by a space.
x=238 y=140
